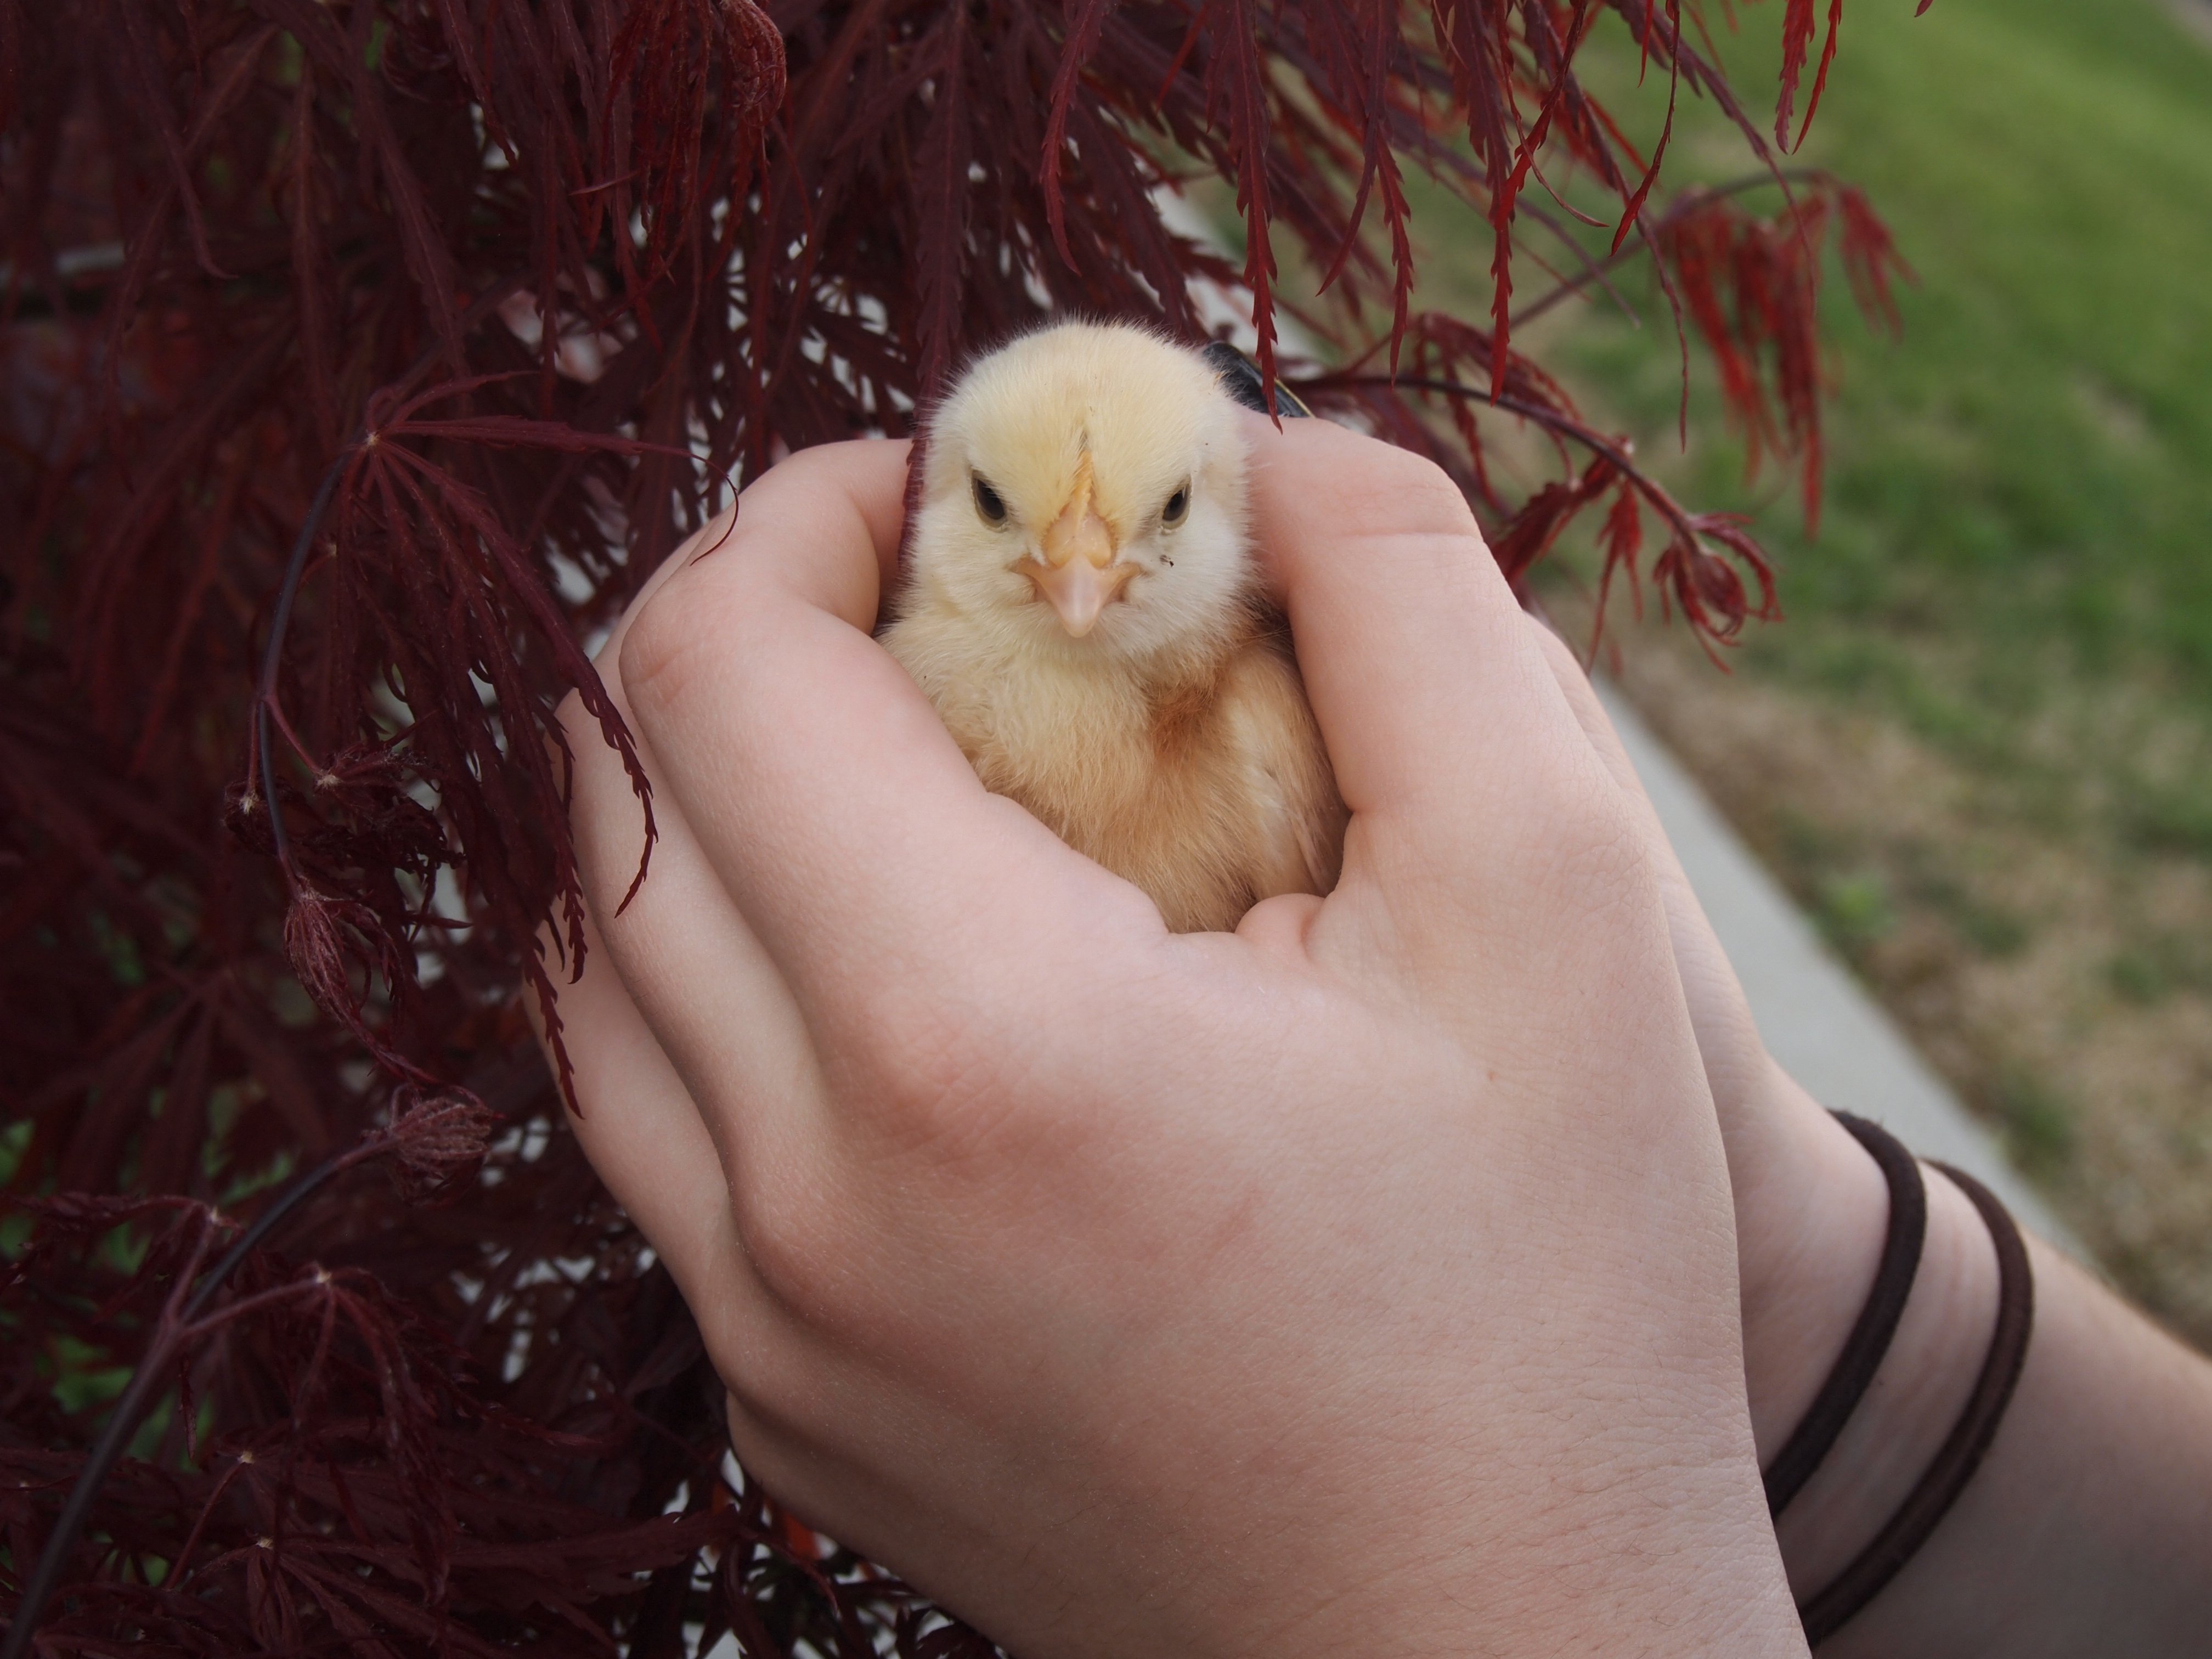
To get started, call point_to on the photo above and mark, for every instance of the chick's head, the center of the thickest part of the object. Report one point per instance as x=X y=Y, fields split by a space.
x=1083 y=491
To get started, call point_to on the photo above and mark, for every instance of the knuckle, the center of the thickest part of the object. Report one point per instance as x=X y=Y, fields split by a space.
x=1558 y=656
x=663 y=641
x=1398 y=492
x=918 y=1098
x=923 y=1070
x=795 y=1234
x=1563 y=855
x=1583 y=848
x=1567 y=807
x=775 y=1390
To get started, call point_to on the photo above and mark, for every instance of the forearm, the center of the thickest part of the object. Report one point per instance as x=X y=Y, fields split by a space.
x=2088 y=1527
x=2088 y=1530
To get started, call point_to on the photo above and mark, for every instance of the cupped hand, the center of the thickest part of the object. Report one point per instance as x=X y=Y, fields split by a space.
x=1363 y=1280
x=1811 y=1208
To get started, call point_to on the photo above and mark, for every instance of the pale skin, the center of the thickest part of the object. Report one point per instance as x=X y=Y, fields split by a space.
x=1422 y=1270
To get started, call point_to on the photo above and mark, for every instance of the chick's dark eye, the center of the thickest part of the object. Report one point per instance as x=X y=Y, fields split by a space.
x=989 y=504
x=1178 y=508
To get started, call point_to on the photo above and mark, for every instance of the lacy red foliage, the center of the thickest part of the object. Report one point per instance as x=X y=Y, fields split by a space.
x=360 y=358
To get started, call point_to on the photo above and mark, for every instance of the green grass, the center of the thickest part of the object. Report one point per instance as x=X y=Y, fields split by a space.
x=2019 y=495
x=2013 y=572
x=2032 y=463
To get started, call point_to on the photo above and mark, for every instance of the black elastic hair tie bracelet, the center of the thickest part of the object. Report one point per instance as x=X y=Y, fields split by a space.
x=1869 y=1342
x=1968 y=1443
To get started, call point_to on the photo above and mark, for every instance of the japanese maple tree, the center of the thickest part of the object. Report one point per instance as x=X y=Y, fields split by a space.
x=358 y=360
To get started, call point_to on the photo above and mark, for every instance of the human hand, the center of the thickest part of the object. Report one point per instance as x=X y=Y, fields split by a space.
x=1365 y=1276
x=1811 y=1209
x=2087 y=1529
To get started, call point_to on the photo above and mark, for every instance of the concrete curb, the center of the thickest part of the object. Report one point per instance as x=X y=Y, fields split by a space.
x=1817 y=1020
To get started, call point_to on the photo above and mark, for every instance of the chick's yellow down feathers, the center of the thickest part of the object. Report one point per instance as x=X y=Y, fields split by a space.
x=1081 y=606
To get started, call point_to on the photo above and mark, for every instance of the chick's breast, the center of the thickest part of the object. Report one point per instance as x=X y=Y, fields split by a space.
x=1161 y=730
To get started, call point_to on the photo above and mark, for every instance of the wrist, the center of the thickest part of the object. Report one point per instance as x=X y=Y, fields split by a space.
x=1915 y=1396
x=1812 y=1210
x=2086 y=1528
x=1811 y=1238
x=1658 y=1560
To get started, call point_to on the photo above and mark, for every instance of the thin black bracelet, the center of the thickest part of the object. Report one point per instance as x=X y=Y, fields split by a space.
x=1863 y=1350
x=1970 y=1439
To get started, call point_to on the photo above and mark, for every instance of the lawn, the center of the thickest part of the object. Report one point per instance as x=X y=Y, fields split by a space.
x=2030 y=466
x=1980 y=747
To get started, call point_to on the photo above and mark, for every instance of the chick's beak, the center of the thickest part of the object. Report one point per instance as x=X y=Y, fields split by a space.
x=1075 y=571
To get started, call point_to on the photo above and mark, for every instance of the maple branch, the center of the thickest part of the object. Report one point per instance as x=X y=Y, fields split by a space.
x=296 y=568
x=1594 y=271
x=1615 y=455
x=1697 y=196
x=272 y=660
x=434 y=1140
x=176 y=1322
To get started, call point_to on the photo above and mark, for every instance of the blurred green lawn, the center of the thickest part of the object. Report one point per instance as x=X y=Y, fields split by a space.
x=1980 y=749
x=2019 y=495
x=2034 y=464
x=2031 y=469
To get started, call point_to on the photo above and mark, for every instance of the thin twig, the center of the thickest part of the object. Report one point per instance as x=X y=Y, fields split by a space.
x=1592 y=270
x=1682 y=206
x=1565 y=425
x=152 y=1371
x=273 y=659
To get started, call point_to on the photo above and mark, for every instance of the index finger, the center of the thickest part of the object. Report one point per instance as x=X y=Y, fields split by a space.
x=846 y=822
x=1451 y=742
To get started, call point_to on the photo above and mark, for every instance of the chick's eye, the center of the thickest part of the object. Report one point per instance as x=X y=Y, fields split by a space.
x=989 y=504
x=1178 y=508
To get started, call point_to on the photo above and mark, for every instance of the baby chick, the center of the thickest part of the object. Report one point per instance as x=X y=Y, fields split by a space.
x=1081 y=606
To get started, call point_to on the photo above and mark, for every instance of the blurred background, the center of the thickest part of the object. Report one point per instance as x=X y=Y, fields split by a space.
x=1978 y=749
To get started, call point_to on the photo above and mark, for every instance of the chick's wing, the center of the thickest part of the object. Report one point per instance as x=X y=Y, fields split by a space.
x=1297 y=818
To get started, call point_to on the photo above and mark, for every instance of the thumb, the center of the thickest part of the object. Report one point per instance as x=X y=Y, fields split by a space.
x=1464 y=767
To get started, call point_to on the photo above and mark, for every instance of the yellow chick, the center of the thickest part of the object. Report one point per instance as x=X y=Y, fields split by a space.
x=1081 y=606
